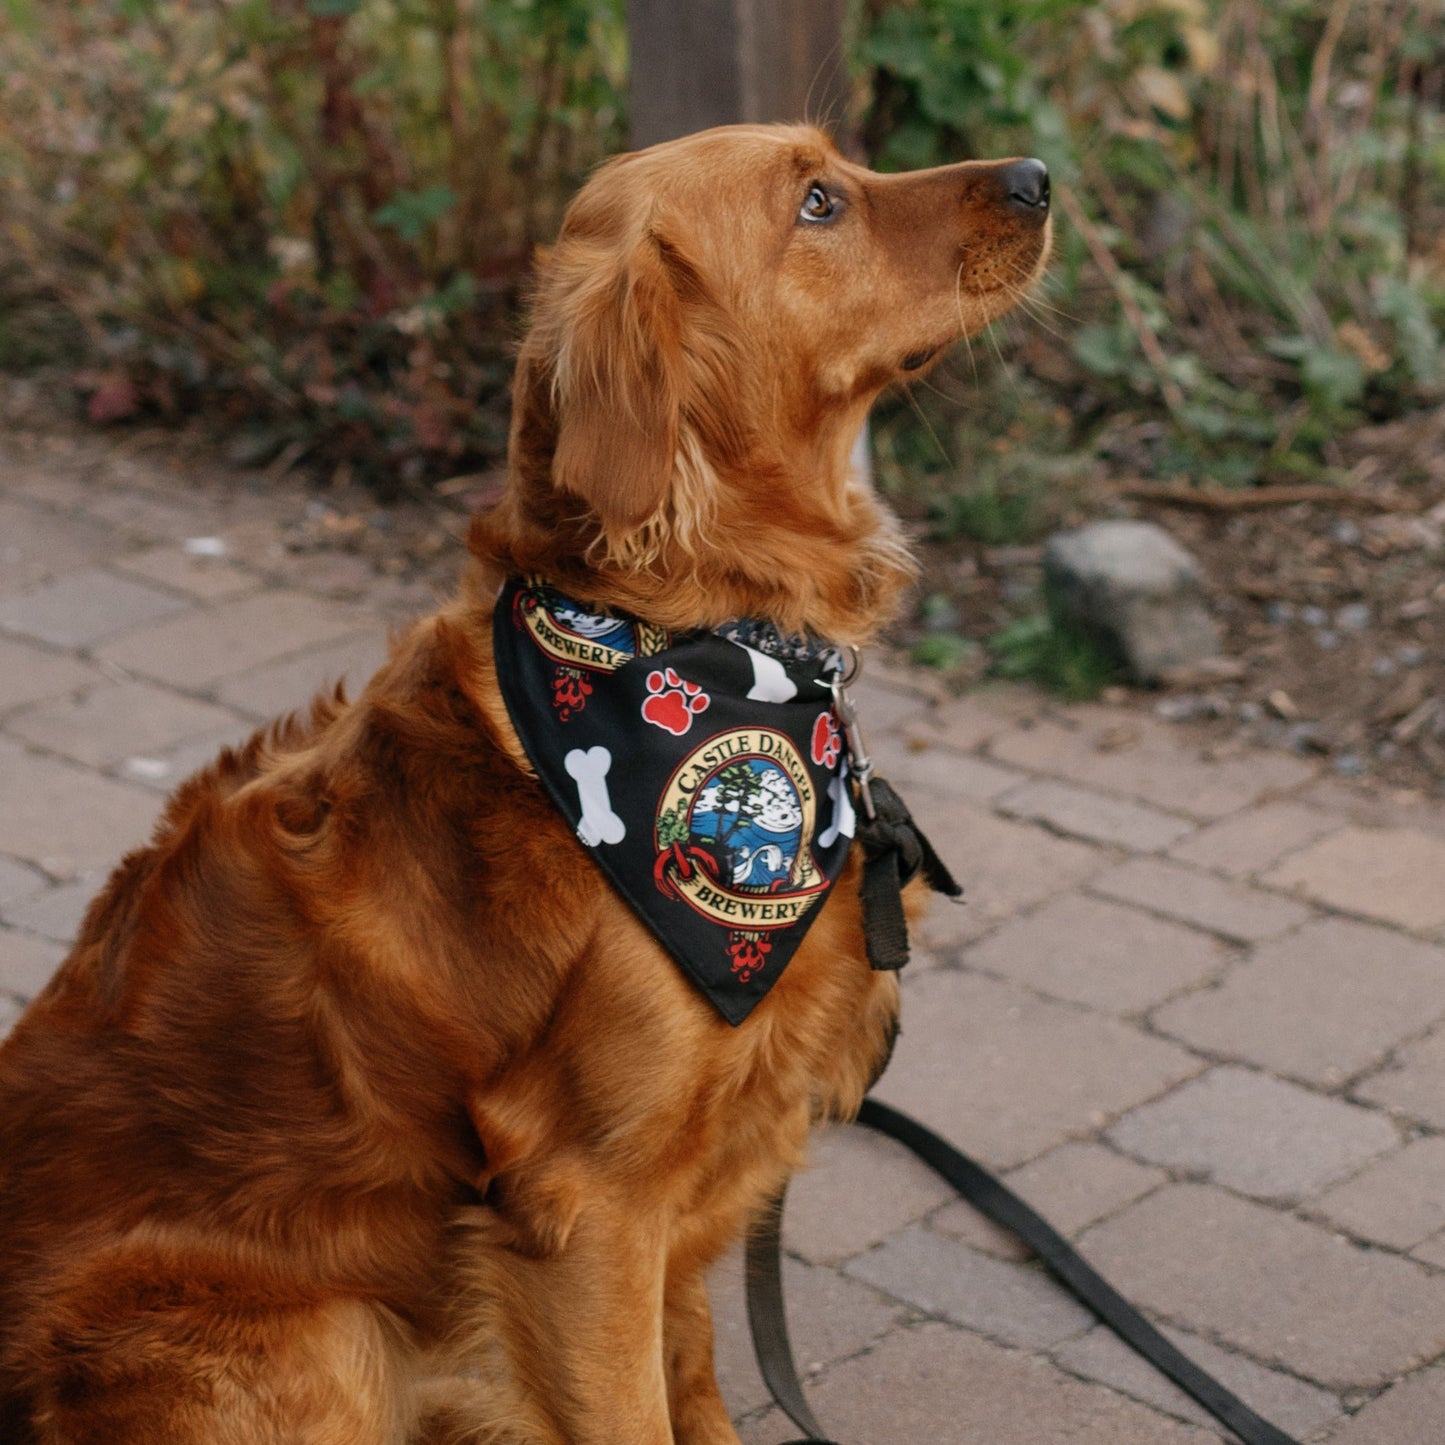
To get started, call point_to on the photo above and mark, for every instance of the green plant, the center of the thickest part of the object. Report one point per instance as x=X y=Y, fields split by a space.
x=307 y=215
x=998 y=476
x=1248 y=191
x=1041 y=649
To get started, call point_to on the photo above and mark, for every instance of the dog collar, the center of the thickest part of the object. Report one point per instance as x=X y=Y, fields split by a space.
x=705 y=772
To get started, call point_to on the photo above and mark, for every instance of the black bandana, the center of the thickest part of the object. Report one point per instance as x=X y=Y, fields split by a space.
x=705 y=772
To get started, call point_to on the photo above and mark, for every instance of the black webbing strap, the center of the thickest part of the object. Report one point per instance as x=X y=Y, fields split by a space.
x=894 y=849
x=1000 y=1204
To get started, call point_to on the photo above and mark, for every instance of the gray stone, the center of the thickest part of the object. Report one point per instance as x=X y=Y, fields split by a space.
x=1134 y=586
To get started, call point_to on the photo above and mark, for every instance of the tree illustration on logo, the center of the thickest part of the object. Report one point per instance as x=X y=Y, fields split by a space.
x=734 y=802
x=675 y=847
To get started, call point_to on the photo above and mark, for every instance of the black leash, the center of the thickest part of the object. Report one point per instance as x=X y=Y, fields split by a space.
x=895 y=849
x=997 y=1202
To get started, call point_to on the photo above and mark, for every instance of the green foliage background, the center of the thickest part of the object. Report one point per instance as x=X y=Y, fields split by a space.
x=1250 y=208
x=311 y=220
x=310 y=216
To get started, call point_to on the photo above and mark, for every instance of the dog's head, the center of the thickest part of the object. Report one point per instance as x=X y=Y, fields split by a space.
x=707 y=335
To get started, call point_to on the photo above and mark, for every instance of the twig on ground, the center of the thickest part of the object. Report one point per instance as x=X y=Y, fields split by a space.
x=1222 y=499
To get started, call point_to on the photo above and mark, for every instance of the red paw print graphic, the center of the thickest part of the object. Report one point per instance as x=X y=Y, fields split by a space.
x=672 y=703
x=827 y=740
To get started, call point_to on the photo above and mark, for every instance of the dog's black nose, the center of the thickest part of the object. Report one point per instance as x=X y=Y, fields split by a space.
x=1026 y=184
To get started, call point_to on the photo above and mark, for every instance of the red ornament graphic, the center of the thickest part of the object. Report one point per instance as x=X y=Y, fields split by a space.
x=570 y=691
x=749 y=954
x=672 y=703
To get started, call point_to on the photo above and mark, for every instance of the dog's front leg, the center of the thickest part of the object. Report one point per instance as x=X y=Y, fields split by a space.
x=583 y=1325
x=699 y=1416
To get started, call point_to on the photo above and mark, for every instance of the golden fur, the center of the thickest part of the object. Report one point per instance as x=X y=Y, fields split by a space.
x=363 y=1111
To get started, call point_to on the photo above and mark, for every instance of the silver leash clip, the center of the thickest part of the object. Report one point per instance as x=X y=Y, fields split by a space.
x=858 y=760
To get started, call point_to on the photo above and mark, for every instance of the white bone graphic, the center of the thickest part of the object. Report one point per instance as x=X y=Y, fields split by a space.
x=598 y=824
x=771 y=682
x=845 y=820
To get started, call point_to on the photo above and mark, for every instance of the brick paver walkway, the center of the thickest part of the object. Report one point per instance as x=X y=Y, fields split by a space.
x=1194 y=1007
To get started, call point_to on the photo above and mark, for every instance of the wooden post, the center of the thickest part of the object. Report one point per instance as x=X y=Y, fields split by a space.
x=698 y=63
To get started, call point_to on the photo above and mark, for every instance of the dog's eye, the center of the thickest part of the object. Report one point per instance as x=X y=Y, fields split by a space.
x=818 y=206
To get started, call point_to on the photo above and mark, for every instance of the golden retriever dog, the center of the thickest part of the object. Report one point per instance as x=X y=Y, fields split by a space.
x=364 y=1110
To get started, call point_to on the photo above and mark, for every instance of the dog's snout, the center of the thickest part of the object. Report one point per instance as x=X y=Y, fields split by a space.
x=1026 y=186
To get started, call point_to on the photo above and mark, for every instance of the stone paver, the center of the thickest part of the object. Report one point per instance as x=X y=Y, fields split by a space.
x=1406 y=1414
x=947 y=1387
x=279 y=687
x=18 y=881
x=1095 y=816
x=860 y=1188
x=1412 y=1081
x=26 y=962
x=1077 y=1184
x=1014 y=1303
x=34 y=547
x=830 y=1318
x=116 y=720
x=1273 y=1286
x=1106 y=1030
x=968 y=722
x=207 y=578
x=1244 y=915
x=1294 y=1405
x=1321 y=1005
x=1253 y=840
x=1399 y=1201
x=82 y=608
x=1256 y=1134
x=1009 y=866
x=887 y=707
x=195 y=651
x=1432 y=1251
x=161 y=770
x=65 y=819
x=1137 y=757
x=1072 y=1186
x=1394 y=875
x=30 y=674
x=1009 y=1075
x=56 y=914
x=914 y=769
x=1098 y=953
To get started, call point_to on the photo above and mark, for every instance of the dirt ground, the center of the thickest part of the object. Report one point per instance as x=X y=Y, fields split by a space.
x=1333 y=612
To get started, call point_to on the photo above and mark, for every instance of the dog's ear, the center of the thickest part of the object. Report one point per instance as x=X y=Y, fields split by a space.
x=618 y=381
